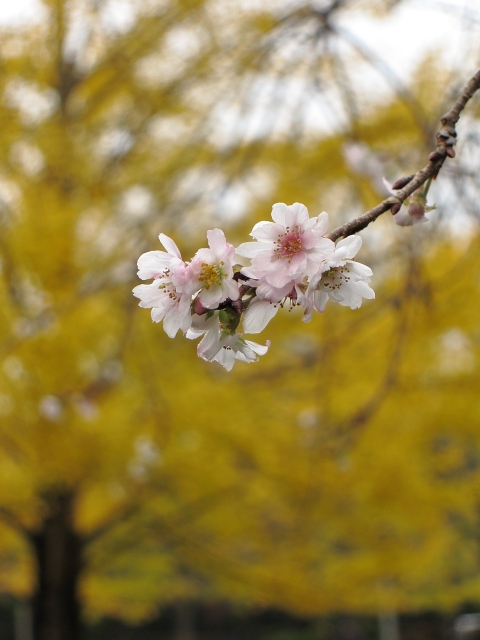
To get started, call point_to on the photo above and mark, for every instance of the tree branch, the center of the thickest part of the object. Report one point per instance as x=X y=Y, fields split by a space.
x=446 y=138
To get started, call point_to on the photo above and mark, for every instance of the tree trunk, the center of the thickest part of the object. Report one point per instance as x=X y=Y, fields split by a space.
x=388 y=626
x=58 y=551
x=184 y=620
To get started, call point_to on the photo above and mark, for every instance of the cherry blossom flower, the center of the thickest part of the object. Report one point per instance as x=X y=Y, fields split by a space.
x=261 y=310
x=169 y=295
x=413 y=208
x=345 y=281
x=211 y=271
x=291 y=264
x=286 y=250
x=219 y=345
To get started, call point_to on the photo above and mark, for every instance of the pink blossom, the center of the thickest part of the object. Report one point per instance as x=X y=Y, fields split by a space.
x=413 y=208
x=287 y=250
x=211 y=271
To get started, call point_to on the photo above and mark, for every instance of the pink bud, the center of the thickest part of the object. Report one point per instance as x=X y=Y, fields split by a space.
x=198 y=307
x=416 y=210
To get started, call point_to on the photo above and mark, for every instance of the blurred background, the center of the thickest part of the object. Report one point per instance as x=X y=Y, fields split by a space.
x=330 y=491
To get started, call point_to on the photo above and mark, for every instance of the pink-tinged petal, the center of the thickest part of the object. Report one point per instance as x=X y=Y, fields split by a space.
x=278 y=279
x=251 y=249
x=264 y=260
x=296 y=215
x=258 y=348
x=317 y=261
x=203 y=255
x=258 y=315
x=296 y=264
x=265 y=291
x=169 y=245
x=268 y=231
x=217 y=242
x=404 y=219
x=279 y=211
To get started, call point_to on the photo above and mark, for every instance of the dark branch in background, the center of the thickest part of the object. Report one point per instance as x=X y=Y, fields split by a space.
x=446 y=138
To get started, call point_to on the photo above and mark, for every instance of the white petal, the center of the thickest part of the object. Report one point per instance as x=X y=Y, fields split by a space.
x=250 y=249
x=296 y=215
x=321 y=299
x=258 y=348
x=389 y=186
x=173 y=321
x=258 y=315
x=230 y=289
x=150 y=295
x=360 y=269
x=169 y=245
x=210 y=345
x=322 y=223
x=211 y=298
x=152 y=264
x=279 y=210
x=347 y=248
x=226 y=357
x=365 y=291
x=216 y=241
x=268 y=231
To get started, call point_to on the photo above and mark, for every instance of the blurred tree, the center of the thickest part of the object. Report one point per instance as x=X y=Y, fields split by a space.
x=136 y=474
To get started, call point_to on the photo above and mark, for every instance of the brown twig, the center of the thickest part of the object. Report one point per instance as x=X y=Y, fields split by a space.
x=446 y=138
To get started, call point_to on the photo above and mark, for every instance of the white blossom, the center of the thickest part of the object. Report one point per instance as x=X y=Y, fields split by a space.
x=345 y=281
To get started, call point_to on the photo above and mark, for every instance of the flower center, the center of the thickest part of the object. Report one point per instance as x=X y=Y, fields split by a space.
x=335 y=277
x=289 y=244
x=212 y=274
x=169 y=290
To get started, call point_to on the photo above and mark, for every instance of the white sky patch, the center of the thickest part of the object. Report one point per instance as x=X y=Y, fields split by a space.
x=21 y=12
x=417 y=27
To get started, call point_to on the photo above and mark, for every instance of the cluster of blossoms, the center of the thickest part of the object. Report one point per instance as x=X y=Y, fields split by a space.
x=290 y=261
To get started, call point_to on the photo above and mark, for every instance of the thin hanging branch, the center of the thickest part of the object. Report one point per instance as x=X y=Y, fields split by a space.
x=446 y=138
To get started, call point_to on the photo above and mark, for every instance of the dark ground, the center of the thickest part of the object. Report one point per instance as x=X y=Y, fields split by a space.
x=219 y=622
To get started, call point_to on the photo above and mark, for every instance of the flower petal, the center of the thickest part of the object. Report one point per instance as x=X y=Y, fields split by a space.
x=279 y=211
x=258 y=314
x=250 y=249
x=169 y=245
